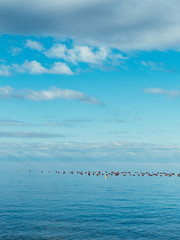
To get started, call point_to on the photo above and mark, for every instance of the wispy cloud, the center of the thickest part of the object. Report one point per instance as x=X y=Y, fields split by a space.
x=10 y=122
x=5 y=70
x=159 y=66
x=66 y=122
x=118 y=151
x=35 y=135
x=153 y=66
x=15 y=50
x=60 y=123
x=53 y=93
x=169 y=93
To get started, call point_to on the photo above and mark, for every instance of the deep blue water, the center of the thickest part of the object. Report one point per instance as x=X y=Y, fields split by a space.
x=52 y=206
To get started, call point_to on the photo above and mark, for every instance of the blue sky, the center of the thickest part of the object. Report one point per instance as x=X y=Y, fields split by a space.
x=90 y=80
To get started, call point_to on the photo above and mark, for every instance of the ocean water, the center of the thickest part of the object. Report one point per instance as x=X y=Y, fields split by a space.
x=54 y=206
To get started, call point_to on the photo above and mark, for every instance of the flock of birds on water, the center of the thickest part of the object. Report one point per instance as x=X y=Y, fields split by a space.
x=113 y=173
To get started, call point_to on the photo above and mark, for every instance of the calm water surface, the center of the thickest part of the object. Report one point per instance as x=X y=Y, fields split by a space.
x=52 y=206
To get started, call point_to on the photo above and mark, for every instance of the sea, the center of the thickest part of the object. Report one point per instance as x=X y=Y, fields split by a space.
x=47 y=205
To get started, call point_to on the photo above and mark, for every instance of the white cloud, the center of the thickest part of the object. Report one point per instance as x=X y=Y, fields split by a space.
x=34 y=45
x=34 y=67
x=53 y=93
x=169 y=93
x=86 y=54
x=60 y=68
x=125 y=25
x=57 y=51
x=78 y=53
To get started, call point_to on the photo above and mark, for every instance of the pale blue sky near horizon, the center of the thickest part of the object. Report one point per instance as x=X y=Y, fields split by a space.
x=108 y=90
